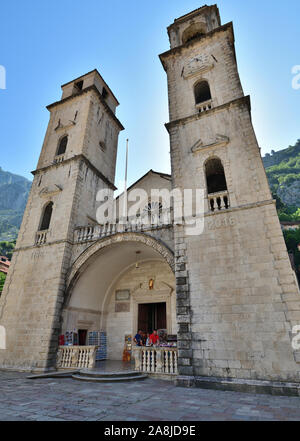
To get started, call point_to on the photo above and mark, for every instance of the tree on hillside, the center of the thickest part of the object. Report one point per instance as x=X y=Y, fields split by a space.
x=7 y=248
x=2 y=281
x=292 y=240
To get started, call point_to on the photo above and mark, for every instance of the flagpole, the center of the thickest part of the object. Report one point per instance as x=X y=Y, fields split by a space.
x=125 y=185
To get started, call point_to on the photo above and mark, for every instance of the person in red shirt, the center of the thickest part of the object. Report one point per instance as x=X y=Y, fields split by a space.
x=154 y=338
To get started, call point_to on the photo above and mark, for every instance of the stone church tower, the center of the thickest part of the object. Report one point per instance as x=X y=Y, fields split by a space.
x=78 y=159
x=237 y=296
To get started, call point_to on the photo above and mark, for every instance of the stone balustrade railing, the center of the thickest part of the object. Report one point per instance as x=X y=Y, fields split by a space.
x=152 y=360
x=41 y=237
x=203 y=107
x=59 y=158
x=83 y=234
x=73 y=357
x=218 y=201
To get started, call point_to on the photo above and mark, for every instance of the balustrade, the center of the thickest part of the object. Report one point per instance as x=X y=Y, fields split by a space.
x=203 y=107
x=70 y=357
x=153 y=360
x=218 y=201
x=41 y=237
x=94 y=232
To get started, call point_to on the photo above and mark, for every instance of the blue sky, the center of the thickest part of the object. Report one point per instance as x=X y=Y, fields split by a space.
x=47 y=43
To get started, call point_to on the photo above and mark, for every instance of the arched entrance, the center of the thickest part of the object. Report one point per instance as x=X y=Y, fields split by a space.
x=118 y=284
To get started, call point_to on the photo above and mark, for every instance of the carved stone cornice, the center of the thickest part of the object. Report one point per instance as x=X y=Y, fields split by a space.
x=76 y=158
x=86 y=90
x=190 y=44
x=244 y=100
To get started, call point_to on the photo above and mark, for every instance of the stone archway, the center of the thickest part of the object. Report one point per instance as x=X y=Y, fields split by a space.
x=82 y=261
x=108 y=266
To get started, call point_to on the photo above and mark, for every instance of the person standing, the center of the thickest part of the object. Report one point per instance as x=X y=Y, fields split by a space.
x=154 y=338
x=148 y=340
x=138 y=338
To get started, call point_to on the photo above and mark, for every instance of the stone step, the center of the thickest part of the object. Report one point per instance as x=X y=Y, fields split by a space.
x=109 y=379
x=112 y=374
x=63 y=374
x=263 y=387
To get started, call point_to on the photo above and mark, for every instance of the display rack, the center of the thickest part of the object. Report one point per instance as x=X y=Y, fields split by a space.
x=71 y=338
x=98 y=338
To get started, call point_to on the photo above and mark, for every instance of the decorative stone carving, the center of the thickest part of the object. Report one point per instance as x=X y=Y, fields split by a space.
x=219 y=141
x=122 y=307
x=122 y=295
x=61 y=126
x=158 y=287
x=50 y=190
x=199 y=64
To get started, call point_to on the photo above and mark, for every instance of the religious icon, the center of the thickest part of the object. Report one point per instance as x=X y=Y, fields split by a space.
x=151 y=284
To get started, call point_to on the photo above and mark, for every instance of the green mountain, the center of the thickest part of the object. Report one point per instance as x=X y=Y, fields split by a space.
x=14 y=190
x=283 y=171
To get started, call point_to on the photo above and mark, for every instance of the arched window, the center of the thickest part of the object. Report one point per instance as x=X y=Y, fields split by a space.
x=152 y=212
x=196 y=30
x=62 y=146
x=45 y=223
x=216 y=183
x=202 y=92
x=215 y=176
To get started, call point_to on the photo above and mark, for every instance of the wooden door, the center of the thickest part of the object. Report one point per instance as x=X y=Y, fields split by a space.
x=82 y=334
x=143 y=318
x=161 y=311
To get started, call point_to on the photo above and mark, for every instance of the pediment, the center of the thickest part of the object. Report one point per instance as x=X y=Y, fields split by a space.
x=218 y=141
x=50 y=190
x=64 y=126
x=160 y=288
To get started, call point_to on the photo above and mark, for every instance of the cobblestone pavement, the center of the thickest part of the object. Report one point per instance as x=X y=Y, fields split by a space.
x=150 y=400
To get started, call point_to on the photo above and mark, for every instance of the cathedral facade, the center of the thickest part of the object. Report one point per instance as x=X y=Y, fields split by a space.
x=229 y=293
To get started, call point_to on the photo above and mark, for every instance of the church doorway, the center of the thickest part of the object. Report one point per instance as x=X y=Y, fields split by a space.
x=82 y=337
x=152 y=316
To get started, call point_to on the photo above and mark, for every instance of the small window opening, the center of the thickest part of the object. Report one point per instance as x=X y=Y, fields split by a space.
x=194 y=31
x=202 y=92
x=46 y=217
x=102 y=145
x=215 y=177
x=104 y=93
x=196 y=35
x=62 y=146
x=79 y=85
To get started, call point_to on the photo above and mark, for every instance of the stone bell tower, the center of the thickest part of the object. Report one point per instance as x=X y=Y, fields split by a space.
x=237 y=296
x=78 y=159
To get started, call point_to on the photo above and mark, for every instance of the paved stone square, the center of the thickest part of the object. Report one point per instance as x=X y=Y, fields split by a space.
x=64 y=399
